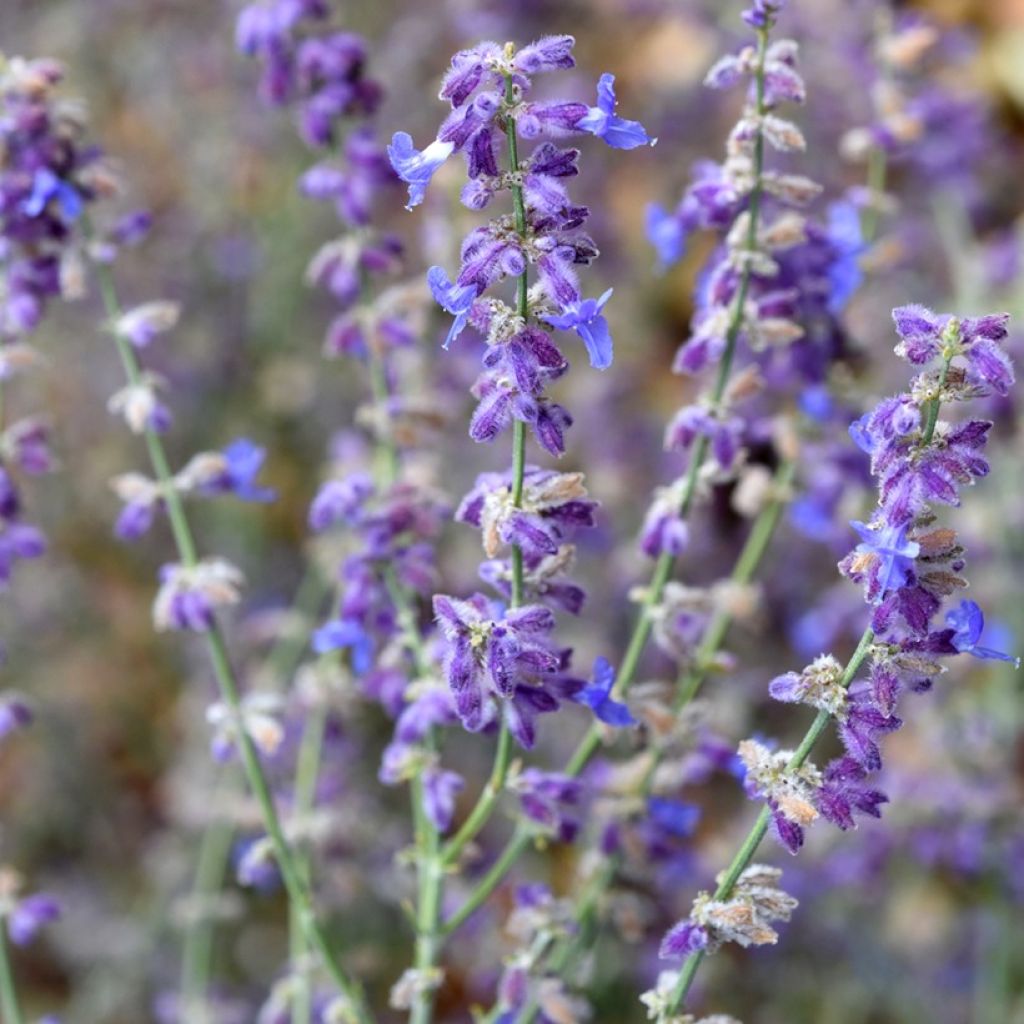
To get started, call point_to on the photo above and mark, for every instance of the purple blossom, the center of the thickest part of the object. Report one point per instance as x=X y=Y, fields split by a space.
x=29 y=915
x=584 y=317
x=597 y=695
x=968 y=622
x=414 y=167
x=603 y=122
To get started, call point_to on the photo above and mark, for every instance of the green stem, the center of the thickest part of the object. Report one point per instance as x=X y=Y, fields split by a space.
x=876 y=176
x=197 y=948
x=8 y=990
x=298 y=892
x=307 y=772
x=666 y=562
x=750 y=845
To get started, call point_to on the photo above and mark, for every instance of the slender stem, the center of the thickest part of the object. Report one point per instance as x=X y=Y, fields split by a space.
x=689 y=683
x=666 y=562
x=876 y=176
x=746 y=852
x=490 y=881
x=197 y=948
x=298 y=892
x=8 y=991
x=307 y=773
x=932 y=416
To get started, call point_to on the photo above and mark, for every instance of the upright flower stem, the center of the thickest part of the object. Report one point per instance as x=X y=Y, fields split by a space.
x=298 y=891
x=665 y=564
x=435 y=860
x=197 y=947
x=688 y=685
x=8 y=992
x=750 y=845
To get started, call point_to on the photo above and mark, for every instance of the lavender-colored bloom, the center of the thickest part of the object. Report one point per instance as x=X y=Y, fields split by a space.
x=15 y=714
x=584 y=317
x=242 y=462
x=674 y=816
x=29 y=915
x=892 y=556
x=968 y=622
x=340 y=501
x=440 y=788
x=603 y=122
x=597 y=696
x=493 y=654
x=551 y=800
x=414 y=167
x=683 y=939
x=456 y=299
x=345 y=634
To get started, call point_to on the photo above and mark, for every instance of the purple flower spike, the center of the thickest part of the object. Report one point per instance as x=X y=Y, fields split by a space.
x=603 y=122
x=968 y=622
x=597 y=696
x=416 y=168
x=584 y=317
x=29 y=915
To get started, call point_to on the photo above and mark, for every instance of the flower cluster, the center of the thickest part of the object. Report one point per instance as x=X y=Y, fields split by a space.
x=500 y=663
x=907 y=566
x=488 y=88
x=48 y=177
x=322 y=72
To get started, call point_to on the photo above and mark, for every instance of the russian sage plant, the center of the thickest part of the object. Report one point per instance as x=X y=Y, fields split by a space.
x=389 y=670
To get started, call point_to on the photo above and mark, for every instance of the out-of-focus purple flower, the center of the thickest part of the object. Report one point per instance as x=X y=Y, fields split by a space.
x=345 y=634
x=29 y=915
x=15 y=714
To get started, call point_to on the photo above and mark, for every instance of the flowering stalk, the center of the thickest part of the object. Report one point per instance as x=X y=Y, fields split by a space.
x=500 y=664
x=738 y=194
x=299 y=893
x=906 y=567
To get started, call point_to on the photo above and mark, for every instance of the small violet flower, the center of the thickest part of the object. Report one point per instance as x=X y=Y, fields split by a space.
x=968 y=622
x=603 y=122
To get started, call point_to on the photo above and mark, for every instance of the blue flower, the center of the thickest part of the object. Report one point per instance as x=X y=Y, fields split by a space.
x=243 y=461
x=844 y=272
x=967 y=622
x=665 y=232
x=584 y=317
x=456 y=299
x=416 y=168
x=344 y=633
x=46 y=186
x=895 y=553
x=673 y=815
x=603 y=122
x=597 y=696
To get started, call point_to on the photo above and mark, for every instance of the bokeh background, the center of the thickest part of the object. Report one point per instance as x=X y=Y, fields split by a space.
x=914 y=919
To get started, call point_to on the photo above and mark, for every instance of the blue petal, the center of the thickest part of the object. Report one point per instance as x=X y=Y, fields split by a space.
x=665 y=232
